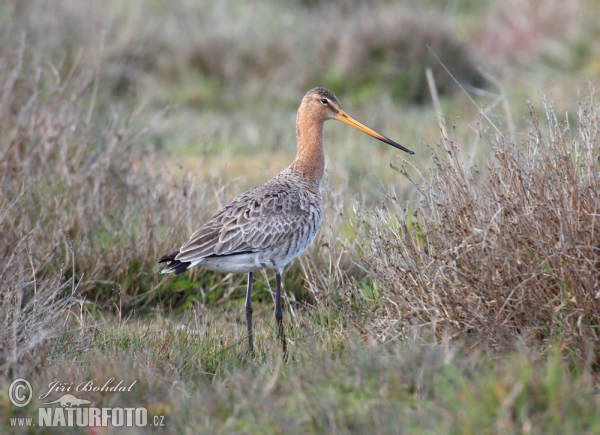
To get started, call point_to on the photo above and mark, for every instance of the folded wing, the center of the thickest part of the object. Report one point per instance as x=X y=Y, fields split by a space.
x=259 y=220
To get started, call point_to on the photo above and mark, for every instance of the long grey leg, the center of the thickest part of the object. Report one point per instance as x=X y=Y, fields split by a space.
x=279 y=312
x=249 y=311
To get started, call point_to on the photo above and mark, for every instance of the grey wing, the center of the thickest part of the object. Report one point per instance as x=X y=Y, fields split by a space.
x=256 y=221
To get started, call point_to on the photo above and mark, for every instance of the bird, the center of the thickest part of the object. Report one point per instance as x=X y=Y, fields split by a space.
x=271 y=224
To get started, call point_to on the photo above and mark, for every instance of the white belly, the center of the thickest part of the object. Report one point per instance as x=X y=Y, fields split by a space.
x=276 y=259
x=241 y=263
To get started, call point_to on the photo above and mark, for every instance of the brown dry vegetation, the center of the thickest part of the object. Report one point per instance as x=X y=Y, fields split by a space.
x=506 y=255
x=78 y=197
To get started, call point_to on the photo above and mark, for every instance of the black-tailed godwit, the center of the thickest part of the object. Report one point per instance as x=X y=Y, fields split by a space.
x=268 y=226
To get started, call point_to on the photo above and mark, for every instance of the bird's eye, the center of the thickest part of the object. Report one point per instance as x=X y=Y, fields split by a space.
x=324 y=101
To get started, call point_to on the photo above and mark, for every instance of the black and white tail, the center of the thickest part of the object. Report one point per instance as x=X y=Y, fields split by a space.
x=174 y=266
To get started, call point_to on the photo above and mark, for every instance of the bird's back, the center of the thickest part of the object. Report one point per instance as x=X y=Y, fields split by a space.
x=266 y=226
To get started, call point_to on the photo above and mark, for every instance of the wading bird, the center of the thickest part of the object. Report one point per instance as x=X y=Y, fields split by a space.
x=268 y=226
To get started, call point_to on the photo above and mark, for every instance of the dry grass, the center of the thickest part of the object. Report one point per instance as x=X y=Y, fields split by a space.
x=74 y=213
x=506 y=255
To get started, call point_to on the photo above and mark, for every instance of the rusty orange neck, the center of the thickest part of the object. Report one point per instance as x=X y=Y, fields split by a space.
x=310 y=159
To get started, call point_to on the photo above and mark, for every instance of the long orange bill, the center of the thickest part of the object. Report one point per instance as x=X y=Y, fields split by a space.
x=347 y=119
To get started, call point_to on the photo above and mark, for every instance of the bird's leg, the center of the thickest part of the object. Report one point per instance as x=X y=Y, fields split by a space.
x=249 y=311
x=279 y=312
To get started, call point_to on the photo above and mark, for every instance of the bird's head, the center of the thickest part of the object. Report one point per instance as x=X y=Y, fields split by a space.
x=321 y=104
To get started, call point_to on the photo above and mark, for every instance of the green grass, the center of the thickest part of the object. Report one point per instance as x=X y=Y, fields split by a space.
x=195 y=371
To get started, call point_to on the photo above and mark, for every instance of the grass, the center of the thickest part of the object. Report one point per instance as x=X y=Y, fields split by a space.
x=456 y=293
x=504 y=252
x=191 y=371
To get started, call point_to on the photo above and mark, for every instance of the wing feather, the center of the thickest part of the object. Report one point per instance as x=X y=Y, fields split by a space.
x=257 y=220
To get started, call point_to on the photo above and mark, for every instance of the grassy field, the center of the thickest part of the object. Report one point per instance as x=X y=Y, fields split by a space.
x=454 y=291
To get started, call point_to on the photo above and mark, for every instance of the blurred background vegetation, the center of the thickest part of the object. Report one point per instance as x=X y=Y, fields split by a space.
x=234 y=72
